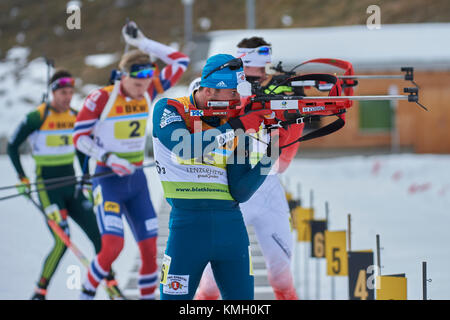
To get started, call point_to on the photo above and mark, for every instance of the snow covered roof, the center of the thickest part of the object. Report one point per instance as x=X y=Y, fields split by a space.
x=424 y=46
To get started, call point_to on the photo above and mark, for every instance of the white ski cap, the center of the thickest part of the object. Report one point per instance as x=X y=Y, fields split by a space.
x=255 y=57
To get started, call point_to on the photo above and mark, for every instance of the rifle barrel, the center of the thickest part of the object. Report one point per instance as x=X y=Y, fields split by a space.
x=338 y=98
x=374 y=76
x=366 y=98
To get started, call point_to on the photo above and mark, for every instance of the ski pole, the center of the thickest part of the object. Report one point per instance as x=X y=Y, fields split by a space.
x=62 y=235
x=67 y=181
x=85 y=170
x=50 y=64
x=51 y=187
x=47 y=181
x=54 y=180
x=69 y=244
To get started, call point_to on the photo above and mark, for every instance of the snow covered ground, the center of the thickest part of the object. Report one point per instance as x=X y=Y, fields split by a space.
x=403 y=198
x=25 y=241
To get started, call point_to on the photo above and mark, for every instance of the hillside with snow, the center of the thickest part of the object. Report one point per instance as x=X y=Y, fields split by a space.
x=23 y=83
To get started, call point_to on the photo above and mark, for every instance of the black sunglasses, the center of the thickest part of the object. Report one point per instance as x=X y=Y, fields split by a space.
x=233 y=64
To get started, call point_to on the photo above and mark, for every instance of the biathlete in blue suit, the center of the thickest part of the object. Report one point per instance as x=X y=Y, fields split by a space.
x=205 y=171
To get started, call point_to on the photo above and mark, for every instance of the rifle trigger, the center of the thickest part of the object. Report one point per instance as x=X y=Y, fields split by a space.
x=278 y=125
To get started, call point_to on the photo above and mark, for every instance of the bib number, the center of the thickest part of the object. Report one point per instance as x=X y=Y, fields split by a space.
x=165 y=268
x=59 y=140
x=129 y=129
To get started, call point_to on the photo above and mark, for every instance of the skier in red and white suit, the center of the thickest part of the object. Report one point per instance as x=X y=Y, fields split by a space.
x=267 y=210
x=111 y=128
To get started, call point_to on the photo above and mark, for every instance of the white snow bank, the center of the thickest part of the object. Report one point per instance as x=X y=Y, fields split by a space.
x=22 y=85
x=101 y=60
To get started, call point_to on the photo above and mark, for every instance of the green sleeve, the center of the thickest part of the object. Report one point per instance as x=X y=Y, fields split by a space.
x=31 y=123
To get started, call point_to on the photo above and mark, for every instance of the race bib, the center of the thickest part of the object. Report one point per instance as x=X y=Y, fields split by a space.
x=59 y=140
x=129 y=129
x=165 y=268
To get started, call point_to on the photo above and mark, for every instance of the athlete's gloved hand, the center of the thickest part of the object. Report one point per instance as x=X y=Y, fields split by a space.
x=121 y=167
x=23 y=187
x=249 y=121
x=140 y=37
x=53 y=213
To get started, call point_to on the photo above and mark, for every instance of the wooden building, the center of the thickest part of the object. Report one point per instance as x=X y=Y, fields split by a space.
x=401 y=124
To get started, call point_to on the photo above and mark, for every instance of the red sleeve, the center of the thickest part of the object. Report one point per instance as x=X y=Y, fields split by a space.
x=90 y=113
x=288 y=153
x=171 y=73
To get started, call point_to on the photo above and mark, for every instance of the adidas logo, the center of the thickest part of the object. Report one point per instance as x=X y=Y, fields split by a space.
x=221 y=84
x=168 y=117
x=167 y=114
